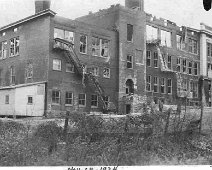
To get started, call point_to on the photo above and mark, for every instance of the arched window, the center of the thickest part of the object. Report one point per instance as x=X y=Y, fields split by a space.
x=129 y=87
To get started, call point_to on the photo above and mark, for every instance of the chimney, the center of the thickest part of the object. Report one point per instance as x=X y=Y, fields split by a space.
x=133 y=4
x=41 y=5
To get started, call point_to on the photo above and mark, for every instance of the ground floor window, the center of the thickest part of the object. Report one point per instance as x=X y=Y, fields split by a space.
x=169 y=86
x=7 y=99
x=30 y=100
x=56 y=96
x=94 y=100
x=82 y=99
x=69 y=98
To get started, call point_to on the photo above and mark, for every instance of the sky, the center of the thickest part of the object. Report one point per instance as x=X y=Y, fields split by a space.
x=183 y=12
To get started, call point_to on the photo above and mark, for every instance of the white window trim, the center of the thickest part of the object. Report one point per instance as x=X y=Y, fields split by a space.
x=69 y=98
x=109 y=73
x=60 y=65
x=28 y=100
x=155 y=60
x=150 y=83
x=155 y=84
x=169 y=86
x=56 y=104
x=97 y=101
x=163 y=85
x=80 y=105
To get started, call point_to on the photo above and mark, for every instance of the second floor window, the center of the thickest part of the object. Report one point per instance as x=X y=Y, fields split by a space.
x=195 y=68
x=189 y=67
x=155 y=59
x=184 y=65
x=12 y=75
x=192 y=46
x=178 y=64
x=129 y=61
x=83 y=44
x=3 y=50
x=129 y=32
x=169 y=64
x=14 y=46
x=57 y=64
x=106 y=73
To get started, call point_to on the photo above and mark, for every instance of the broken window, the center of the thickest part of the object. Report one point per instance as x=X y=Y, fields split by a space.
x=12 y=75
x=69 y=98
x=95 y=71
x=166 y=38
x=195 y=68
x=184 y=65
x=155 y=80
x=95 y=46
x=56 y=96
x=155 y=59
x=179 y=42
x=82 y=99
x=209 y=49
x=30 y=100
x=129 y=32
x=29 y=71
x=3 y=50
x=69 y=68
x=163 y=86
x=178 y=64
x=7 y=99
x=148 y=58
x=129 y=86
x=57 y=64
x=106 y=100
x=129 y=61
x=69 y=36
x=83 y=44
x=192 y=46
x=104 y=47
x=148 y=83
x=94 y=100
x=169 y=63
x=64 y=34
x=14 y=46
x=151 y=33
x=169 y=86
x=189 y=67
x=106 y=73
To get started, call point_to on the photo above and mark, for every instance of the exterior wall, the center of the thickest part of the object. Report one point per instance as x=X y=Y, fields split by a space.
x=22 y=108
x=63 y=81
x=175 y=53
x=7 y=109
x=18 y=100
x=33 y=48
x=117 y=17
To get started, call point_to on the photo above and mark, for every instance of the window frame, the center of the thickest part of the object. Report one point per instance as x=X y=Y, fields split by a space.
x=163 y=85
x=7 y=99
x=196 y=69
x=169 y=86
x=184 y=65
x=130 y=35
x=156 y=84
x=56 y=97
x=95 y=73
x=14 y=46
x=81 y=100
x=190 y=66
x=3 y=50
x=179 y=62
x=148 y=58
x=148 y=83
x=169 y=62
x=12 y=75
x=83 y=45
x=129 y=61
x=29 y=103
x=192 y=46
x=155 y=60
x=73 y=68
x=94 y=100
x=105 y=76
x=60 y=65
x=69 y=98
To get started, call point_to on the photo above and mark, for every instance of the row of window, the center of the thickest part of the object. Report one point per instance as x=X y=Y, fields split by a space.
x=182 y=64
x=14 y=48
x=28 y=73
x=100 y=46
x=69 y=99
x=163 y=88
x=166 y=86
x=29 y=99
x=57 y=66
x=152 y=33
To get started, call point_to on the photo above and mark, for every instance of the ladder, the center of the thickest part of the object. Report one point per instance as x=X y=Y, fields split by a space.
x=71 y=54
